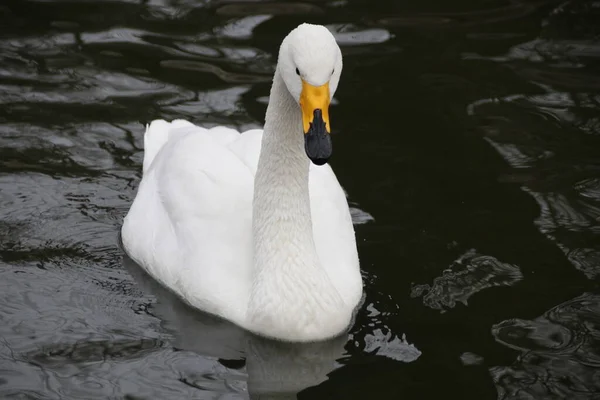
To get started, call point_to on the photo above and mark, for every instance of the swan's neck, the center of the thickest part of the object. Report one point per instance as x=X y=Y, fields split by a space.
x=282 y=223
x=292 y=295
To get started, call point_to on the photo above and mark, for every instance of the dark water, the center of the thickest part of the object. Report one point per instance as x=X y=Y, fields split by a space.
x=469 y=131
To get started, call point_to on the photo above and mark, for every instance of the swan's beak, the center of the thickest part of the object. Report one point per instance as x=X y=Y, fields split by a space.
x=314 y=102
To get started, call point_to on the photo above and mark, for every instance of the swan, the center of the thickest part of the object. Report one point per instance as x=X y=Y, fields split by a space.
x=254 y=227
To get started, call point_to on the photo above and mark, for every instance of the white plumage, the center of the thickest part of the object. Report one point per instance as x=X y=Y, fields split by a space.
x=244 y=226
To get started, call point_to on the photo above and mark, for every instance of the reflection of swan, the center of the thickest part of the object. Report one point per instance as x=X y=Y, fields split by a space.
x=275 y=369
x=238 y=235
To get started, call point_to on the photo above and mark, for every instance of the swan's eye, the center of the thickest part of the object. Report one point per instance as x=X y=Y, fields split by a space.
x=332 y=71
x=297 y=72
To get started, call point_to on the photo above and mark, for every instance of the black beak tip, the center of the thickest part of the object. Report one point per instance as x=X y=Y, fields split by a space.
x=317 y=141
x=318 y=161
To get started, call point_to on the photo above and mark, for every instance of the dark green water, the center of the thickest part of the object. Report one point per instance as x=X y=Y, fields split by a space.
x=469 y=131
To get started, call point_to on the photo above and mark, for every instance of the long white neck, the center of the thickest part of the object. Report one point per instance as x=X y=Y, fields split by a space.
x=281 y=210
x=292 y=295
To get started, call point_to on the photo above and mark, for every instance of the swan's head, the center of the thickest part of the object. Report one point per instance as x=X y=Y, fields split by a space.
x=310 y=63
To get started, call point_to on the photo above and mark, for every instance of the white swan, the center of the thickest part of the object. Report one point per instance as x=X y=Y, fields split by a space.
x=243 y=225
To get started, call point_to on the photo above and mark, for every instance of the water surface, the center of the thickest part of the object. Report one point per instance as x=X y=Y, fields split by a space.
x=467 y=138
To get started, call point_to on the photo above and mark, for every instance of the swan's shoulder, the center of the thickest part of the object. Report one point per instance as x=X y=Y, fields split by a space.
x=159 y=132
x=223 y=134
x=247 y=148
x=197 y=173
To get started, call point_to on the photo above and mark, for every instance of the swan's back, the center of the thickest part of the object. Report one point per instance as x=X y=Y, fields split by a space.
x=189 y=226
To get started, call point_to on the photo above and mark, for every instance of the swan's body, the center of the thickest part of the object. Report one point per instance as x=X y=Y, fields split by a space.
x=243 y=225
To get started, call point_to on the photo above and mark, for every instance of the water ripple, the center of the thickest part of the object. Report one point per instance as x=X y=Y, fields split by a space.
x=476 y=272
x=553 y=149
x=558 y=353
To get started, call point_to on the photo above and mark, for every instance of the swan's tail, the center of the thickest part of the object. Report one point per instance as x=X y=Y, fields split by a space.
x=157 y=134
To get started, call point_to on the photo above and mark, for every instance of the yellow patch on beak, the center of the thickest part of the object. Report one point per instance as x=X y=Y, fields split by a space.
x=314 y=98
